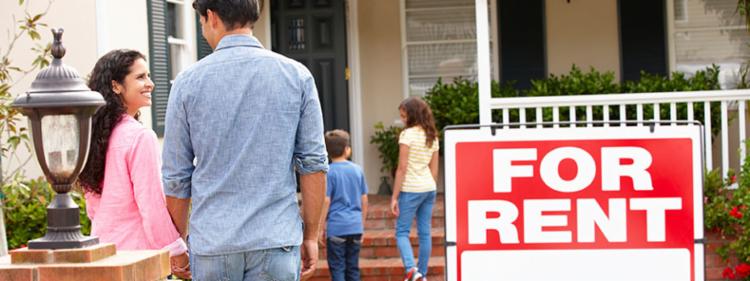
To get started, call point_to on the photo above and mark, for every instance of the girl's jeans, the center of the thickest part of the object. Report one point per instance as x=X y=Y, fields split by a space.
x=411 y=204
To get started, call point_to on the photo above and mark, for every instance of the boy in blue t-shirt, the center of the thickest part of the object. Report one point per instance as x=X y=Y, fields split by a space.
x=346 y=202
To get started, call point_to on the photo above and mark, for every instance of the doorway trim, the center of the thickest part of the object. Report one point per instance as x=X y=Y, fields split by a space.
x=355 y=83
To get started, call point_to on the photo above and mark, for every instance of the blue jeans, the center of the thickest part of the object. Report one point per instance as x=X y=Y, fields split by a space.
x=343 y=257
x=412 y=204
x=278 y=264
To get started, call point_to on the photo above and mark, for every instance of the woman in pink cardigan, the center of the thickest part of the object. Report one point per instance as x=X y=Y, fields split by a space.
x=122 y=177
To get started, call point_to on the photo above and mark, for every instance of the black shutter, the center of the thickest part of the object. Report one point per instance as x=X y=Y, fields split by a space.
x=203 y=48
x=642 y=37
x=159 y=62
x=522 y=41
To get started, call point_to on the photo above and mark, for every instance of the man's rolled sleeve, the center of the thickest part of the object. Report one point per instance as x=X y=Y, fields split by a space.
x=309 y=150
x=177 y=155
x=178 y=188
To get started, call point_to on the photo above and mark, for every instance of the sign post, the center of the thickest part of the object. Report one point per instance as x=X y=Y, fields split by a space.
x=583 y=204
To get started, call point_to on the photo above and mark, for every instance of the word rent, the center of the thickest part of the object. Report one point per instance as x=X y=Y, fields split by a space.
x=614 y=164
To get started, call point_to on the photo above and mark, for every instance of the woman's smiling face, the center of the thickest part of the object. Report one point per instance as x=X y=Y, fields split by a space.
x=136 y=88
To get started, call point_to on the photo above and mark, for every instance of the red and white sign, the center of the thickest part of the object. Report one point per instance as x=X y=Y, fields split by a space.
x=574 y=204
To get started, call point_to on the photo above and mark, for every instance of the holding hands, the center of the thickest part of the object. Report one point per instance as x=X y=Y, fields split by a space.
x=181 y=266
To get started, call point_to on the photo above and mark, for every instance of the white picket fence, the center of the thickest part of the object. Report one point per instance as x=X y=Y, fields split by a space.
x=727 y=101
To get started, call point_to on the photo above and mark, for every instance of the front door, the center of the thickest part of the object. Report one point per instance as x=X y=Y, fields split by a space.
x=313 y=32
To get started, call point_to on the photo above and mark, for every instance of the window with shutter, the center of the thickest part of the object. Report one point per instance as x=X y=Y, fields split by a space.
x=439 y=41
x=159 y=61
x=172 y=49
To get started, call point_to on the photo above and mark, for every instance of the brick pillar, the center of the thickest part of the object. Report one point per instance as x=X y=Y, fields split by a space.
x=99 y=262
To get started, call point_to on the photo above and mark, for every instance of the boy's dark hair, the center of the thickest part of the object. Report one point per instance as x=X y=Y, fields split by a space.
x=234 y=13
x=336 y=143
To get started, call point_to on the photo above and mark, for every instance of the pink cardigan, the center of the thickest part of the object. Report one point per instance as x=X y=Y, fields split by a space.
x=131 y=211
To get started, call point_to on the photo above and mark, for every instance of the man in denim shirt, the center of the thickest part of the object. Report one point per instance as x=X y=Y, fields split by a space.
x=238 y=124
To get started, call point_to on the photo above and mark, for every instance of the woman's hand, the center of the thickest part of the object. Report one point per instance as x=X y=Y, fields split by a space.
x=181 y=266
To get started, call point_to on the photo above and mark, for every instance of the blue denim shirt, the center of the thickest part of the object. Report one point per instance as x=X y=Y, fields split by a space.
x=238 y=123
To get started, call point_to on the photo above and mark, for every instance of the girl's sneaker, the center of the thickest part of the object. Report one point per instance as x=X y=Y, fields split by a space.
x=412 y=275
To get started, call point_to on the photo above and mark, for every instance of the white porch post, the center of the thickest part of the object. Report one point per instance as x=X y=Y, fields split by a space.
x=483 y=61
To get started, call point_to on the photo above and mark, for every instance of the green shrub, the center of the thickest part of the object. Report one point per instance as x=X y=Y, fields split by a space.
x=386 y=139
x=575 y=83
x=458 y=102
x=25 y=209
x=727 y=211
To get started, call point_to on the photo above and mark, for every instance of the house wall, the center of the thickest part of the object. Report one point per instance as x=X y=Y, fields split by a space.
x=382 y=78
x=78 y=19
x=584 y=33
x=262 y=29
x=114 y=33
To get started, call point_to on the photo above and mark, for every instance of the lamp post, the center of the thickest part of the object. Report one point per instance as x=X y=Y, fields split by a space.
x=59 y=107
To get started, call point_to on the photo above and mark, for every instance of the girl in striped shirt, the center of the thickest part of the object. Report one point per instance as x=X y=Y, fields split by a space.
x=415 y=184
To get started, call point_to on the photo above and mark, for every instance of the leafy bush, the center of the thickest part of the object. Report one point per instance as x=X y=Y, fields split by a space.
x=25 y=209
x=386 y=140
x=726 y=211
x=575 y=83
x=458 y=102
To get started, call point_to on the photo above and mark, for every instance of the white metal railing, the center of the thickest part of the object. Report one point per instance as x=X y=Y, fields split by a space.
x=724 y=101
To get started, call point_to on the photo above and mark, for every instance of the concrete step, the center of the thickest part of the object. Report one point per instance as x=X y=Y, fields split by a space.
x=382 y=244
x=384 y=270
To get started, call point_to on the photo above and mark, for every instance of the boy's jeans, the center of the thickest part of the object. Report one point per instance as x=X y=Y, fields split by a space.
x=417 y=204
x=282 y=264
x=343 y=257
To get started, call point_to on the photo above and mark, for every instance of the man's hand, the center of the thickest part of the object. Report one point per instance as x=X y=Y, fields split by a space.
x=309 y=251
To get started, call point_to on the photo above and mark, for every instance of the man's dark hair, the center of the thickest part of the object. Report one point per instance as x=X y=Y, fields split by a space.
x=234 y=13
x=336 y=143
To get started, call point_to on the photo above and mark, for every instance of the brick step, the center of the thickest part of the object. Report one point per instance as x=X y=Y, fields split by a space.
x=379 y=213
x=384 y=270
x=390 y=223
x=382 y=244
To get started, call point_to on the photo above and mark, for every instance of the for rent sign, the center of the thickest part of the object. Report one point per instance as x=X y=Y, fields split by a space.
x=574 y=204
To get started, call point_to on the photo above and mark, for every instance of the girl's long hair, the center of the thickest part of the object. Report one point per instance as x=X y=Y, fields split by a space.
x=114 y=66
x=418 y=113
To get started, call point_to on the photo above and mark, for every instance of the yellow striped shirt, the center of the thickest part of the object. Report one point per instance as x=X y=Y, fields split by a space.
x=418 y=175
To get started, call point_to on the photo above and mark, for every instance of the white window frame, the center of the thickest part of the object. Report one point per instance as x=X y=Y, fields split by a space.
x=405 y=44
x=186 y=46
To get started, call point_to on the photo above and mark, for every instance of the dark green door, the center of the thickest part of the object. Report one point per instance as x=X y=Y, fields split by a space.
x=313 y=32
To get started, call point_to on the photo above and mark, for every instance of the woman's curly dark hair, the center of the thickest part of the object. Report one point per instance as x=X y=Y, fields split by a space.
x=114 y=66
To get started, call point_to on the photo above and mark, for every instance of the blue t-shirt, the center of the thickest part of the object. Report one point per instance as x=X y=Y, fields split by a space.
x=346 y=185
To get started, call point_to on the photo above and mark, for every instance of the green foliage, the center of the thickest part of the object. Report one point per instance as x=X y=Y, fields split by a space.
x=574 y=83
x=727 y=211
x=25 y=208
x=458 y=102
x=386 y=140
x=24 y=201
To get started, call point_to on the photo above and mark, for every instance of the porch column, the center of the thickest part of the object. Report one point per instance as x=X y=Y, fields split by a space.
x=483 y=61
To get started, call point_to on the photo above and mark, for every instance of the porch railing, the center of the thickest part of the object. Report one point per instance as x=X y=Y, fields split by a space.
x=618 y=109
